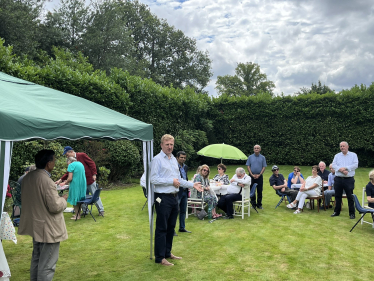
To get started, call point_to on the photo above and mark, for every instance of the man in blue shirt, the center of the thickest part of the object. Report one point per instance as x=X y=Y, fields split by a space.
x=345 y=163
x=183 y=192
x=166 y=178
x=256 y=165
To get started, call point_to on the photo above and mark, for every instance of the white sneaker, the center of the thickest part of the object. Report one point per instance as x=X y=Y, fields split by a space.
x=297 y=211
x=291 y=205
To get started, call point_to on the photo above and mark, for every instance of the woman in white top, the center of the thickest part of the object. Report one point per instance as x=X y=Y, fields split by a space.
x=311 y=187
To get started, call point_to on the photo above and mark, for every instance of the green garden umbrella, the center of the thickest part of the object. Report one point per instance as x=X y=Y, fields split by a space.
x=222 y=151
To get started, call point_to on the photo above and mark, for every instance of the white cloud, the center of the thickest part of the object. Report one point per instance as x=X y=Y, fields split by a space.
x=296 y=42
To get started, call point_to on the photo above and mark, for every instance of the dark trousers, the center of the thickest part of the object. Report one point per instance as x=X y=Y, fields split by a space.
x=167 y=214
x=183 y=208
x=346 y=184
x=43 y=260
x=225 y=203
x=291 y=193
x=259 y=188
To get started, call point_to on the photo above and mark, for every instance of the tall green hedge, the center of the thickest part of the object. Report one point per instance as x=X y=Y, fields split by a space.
x=300 y=130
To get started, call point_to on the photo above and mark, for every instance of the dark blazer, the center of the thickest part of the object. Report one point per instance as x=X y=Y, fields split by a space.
x=180 y=193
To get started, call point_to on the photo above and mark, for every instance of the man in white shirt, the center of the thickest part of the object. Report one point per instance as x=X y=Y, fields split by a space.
x=234 y=192
x=345 y=163
x=166 y=178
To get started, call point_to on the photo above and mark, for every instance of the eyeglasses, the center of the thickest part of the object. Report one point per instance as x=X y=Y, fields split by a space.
x=205 y=170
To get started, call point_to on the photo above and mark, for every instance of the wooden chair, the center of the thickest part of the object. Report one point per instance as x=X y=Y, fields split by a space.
x=195 y=203
x=245 y=202
x=312 y=198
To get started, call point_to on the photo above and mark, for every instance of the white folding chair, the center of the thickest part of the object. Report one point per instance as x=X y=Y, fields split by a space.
x=245 y=202
x=195 y=203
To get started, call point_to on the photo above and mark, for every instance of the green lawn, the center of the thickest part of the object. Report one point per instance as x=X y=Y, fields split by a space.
x=271 y=245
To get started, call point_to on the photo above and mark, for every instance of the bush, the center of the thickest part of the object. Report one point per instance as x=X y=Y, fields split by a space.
x=103 y=176
x=123 y=157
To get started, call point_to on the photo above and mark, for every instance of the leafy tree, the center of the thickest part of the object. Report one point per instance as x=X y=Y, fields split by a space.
x=19 y=21
x=318 y=89
x=247 y=81
x=108 y=41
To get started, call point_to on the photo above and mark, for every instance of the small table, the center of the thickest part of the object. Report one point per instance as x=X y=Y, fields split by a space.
x=61 y=189
x=219 y=189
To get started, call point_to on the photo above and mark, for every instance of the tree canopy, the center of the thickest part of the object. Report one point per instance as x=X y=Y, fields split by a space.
x=247 y=81
x=114 y=33
x=315 y=88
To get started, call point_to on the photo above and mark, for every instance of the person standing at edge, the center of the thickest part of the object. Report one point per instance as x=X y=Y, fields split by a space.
x=256 y=165
x=166 y=178
x=90 y=171
x=183 y=192
x=345 y=163
x=42 y=216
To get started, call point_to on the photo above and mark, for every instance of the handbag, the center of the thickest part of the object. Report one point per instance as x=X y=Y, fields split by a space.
x=202 y=214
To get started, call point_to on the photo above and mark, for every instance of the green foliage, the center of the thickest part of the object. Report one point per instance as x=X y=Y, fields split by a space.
x=23 y=155
x=19 y=24
x=247 y=81
x=123 y=158
x=300 y=130
x=317 y=89
x=190 y=141
x=103 y=177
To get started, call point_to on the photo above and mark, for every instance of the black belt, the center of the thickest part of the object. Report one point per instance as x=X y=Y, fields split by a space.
x=344 y=177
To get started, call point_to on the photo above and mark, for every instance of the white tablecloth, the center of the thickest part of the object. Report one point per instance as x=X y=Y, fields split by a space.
x=7 y=232
x=219 y=189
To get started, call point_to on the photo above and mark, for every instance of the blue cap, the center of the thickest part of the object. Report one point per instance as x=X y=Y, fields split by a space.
x=66 y=149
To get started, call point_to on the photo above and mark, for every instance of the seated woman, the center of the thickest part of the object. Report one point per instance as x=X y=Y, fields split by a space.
x=311 y=187
x=211 y=200
x=234 y=192
x=370 y=191
x=221 y=176
x=295 y=179
x=78 y=185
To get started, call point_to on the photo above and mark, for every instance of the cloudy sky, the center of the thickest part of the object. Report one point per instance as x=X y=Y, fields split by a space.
x=295 y=42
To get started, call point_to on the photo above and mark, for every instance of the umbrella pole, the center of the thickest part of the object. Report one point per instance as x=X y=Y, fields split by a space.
x=221 y=160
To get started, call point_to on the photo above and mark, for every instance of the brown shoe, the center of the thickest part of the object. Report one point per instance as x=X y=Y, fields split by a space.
x=174 y=257
x=166 y=263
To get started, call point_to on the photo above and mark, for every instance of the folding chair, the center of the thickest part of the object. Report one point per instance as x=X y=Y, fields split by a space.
x=90 y=200
x=253 y=191
x=360 y=210
x=282 y=195
x=146 y=196
x=365 y=204
x=16 y=196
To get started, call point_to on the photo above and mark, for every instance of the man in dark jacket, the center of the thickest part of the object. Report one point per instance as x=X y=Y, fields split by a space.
x=183 y=192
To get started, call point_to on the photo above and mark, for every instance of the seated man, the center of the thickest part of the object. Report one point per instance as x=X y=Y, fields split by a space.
x=323 y=173
x=330 y=191
x=234 y=192
x=278 y=182
x=295 y=178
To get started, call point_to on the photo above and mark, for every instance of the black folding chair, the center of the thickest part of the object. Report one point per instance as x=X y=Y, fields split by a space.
x=90 y=200
x=145 y=195
x=282 y=195
x=361 y=210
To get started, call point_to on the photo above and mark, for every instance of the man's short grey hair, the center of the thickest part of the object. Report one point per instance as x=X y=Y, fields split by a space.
x=240 y=171
x=322 y=163
x=344 y=142
x=257 y=145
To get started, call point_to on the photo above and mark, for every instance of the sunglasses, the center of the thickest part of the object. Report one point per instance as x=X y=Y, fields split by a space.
x=219 y=169
x=205 y=170
x=296 y=170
